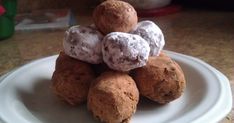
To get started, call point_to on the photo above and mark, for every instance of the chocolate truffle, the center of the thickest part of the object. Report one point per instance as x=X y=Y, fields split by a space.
x=71 y=79
x=161 y=80
x=115 y=16
x=113 y=97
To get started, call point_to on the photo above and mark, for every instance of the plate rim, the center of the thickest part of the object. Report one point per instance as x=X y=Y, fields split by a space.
x=226 y=94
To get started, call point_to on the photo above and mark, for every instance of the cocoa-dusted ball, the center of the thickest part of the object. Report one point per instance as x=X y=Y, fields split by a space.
x=71 y=79
x=113 y=97
x=115 y=16
x=161 y=80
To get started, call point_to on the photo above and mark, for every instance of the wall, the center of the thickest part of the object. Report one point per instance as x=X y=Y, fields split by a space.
x=29 y=5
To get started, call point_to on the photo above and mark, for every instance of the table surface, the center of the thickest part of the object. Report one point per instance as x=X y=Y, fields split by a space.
x=208 y=35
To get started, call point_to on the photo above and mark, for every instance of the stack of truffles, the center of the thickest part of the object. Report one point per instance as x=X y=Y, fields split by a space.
x=110 y=63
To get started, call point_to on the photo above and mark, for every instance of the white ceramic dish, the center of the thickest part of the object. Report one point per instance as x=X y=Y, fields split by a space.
x=25 y=97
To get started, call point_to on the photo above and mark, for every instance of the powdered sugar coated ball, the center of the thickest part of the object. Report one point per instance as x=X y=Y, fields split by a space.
x=83 y=43
x=124 y=52
x=149 y=31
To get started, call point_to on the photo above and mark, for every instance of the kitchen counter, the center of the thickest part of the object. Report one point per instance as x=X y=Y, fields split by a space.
x=208 y=35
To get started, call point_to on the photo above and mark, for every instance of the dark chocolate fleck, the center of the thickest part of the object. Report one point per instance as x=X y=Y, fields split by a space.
x=106 y=49
x=83 y=31
x=166 y=71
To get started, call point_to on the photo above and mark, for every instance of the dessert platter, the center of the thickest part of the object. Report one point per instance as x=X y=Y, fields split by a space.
x=115 y=71
x=26 y=97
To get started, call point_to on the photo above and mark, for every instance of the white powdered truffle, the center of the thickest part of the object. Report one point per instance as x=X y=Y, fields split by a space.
x=124 y=52
x=149 y=31
x=83 y=43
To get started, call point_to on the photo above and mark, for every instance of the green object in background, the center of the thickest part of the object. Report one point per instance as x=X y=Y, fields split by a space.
x=7 y=27
x=7 y=23
x=10 y=6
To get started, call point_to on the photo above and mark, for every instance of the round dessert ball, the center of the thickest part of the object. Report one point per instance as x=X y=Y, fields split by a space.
x=83 y=43
x=115 y=16
x=124 y=52
x=161 y=80
x=113 y=97
x=149 y=31
x=71 y=79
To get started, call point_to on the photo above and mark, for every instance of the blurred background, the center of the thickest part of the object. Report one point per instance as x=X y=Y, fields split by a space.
x=29 y=5
x=30 y=13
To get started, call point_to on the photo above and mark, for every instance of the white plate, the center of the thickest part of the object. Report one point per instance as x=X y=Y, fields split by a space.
x=26 y=97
